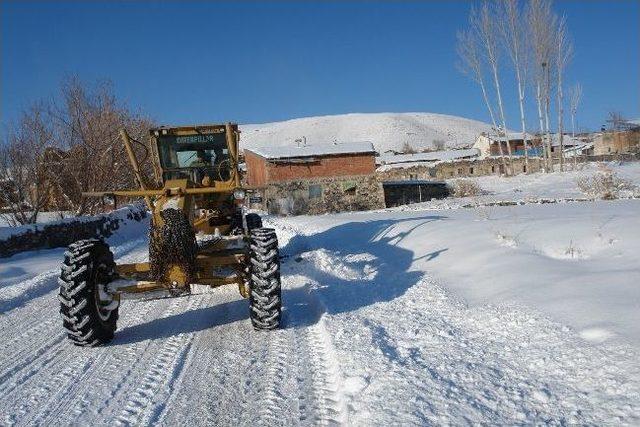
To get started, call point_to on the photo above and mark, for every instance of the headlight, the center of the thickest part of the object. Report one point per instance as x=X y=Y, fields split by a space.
x=238 y=194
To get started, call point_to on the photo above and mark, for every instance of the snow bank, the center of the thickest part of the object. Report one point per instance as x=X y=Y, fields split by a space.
x=528 y=315
x=574 y=262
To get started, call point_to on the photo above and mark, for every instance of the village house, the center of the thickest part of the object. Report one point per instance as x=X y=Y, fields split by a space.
x=570 y=144
x=617 y=142
x=315 y=178
x=489 y=145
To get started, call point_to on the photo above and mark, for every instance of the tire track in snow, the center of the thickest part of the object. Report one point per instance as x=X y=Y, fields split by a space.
x=146 y=402
x=330 y=405
x=16 y=355
x=28 y=325
x=75 y=364
x=219 y=382
x=98 y=376
x=277 y=360
x=303 y=353
x=37 y=389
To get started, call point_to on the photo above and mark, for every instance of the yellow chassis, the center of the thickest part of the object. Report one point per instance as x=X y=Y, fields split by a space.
x=207 y=261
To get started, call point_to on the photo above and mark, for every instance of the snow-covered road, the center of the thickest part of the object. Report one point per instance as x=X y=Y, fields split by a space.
x=373 y=334
x=193 y=360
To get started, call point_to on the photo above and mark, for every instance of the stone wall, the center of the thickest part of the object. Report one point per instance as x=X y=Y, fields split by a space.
x=458 y=169
x=322 y=195
x=63 y=233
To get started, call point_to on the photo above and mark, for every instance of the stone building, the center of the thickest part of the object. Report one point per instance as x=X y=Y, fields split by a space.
x=617 y=142
x=324 y=194
x=315 y=178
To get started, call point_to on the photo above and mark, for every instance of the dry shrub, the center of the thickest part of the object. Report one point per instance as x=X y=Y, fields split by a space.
x=407 y=148
x=605 y=185
x=466 y=188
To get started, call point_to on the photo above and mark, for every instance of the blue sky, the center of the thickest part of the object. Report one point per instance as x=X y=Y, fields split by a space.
x=250 y=62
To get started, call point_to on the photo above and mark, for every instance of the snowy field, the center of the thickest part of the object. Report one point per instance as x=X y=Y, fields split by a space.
x=536 y=187
x=515 y=315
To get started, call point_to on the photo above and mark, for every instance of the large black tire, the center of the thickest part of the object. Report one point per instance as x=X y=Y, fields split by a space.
x=265 y=298
x=88 y=317
x=253 y=221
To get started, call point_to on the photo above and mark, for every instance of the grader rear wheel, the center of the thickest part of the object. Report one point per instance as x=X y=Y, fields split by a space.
x=89 y=312
x=265 y=299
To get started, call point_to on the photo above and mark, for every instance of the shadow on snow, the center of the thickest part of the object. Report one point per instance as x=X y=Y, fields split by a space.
x=388 y=262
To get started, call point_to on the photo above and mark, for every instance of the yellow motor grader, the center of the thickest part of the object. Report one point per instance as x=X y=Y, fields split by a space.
x=200 y=233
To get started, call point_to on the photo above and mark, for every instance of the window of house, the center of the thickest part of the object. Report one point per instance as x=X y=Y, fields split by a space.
x=493 y=169
x=502 y=169
x=315 y=191
x=524 y=168
x=432 y=172
x=459 y=171
x=349 y=188
x=470 y=171
x=413 y=176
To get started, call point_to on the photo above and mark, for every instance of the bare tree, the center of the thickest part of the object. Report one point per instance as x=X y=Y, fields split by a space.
x=575 y=96
x=471 y=63
x=540 y=21
x=563 y=53
x=407 y=148
x=616 y=120
x=56 y=152
x=511 y=23
x=439 y=144
x=24 y=188
x=484 y=23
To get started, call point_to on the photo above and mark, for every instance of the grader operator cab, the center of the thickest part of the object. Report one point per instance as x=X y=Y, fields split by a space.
x=200 y=233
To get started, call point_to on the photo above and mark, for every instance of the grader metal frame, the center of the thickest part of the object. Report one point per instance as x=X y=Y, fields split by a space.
x=200 y=234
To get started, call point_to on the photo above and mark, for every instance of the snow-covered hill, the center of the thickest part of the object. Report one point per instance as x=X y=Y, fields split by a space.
x=387 y=131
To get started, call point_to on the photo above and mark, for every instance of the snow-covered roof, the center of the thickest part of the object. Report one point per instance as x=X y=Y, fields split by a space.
x=566 y=140
x=432 y=156
x=513 y=136
x=294 y=151
x=405 y=165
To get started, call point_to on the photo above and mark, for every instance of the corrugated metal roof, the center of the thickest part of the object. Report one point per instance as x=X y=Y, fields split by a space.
x=433 y=156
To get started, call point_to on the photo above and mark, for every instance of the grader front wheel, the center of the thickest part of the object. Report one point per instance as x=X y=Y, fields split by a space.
x=89 y=313
x=265 y=300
